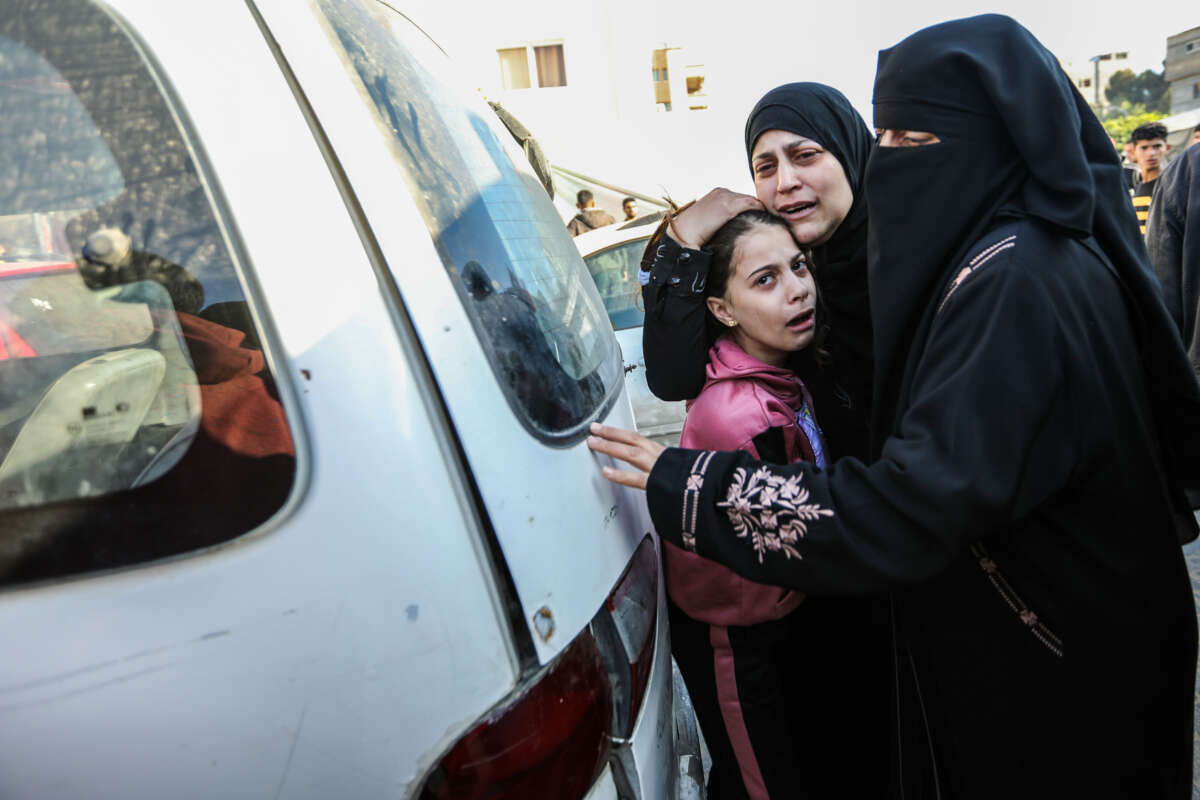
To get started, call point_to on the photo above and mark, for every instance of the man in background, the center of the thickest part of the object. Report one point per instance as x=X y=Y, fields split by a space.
x=1149 y=152
x=1129 y=169
x=1195 y=135
x=629 y=206
x=589 y=217
x=1173 y=241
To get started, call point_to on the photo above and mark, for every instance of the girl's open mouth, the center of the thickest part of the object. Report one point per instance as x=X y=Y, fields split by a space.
x=802 y=321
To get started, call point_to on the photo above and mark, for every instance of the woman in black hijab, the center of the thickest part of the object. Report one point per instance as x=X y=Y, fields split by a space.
x=820 y=193
x=1037 y=416
x=807 y=148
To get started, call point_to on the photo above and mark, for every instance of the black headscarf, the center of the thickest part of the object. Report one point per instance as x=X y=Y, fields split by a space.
x=1017 y=140
x=823 y=114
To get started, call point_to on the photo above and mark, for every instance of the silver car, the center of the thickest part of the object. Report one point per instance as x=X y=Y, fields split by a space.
x=296 y=367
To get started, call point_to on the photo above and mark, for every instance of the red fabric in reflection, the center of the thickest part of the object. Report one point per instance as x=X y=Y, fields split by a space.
x=12 y=345
x=239 y=407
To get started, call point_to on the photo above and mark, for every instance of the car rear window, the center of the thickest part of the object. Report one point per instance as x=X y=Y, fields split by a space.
x=138 y=417
x=517 y=273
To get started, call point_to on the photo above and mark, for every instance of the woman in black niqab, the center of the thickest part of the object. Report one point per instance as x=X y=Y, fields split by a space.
x=1036 y=418
x=1017 y=141
x=676 y=337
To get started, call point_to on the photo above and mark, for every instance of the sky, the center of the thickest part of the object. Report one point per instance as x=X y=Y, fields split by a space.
x=837 y=42
x=750 y=46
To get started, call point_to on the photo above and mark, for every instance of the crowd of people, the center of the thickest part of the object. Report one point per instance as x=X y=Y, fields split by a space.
x=922 y=537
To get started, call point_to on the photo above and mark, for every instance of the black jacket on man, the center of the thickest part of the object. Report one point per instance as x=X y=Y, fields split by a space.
x=1173 y=239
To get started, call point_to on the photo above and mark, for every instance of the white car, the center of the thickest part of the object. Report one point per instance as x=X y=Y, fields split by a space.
x=613 y=255
x=296 y=367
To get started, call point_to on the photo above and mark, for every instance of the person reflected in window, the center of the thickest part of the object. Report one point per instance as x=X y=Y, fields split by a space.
x=526 y=359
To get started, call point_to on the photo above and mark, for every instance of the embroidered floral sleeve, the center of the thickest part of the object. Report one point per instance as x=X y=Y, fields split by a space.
x=770 y=511
x=854 y=527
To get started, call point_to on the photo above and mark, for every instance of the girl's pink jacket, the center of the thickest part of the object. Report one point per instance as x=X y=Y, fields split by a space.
x=742 y=397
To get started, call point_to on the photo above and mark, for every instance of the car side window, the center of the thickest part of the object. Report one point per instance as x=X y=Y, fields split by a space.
x=615 y=270
x=138 y=418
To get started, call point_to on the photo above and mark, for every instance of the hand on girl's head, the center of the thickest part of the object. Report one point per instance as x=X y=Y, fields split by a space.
x=698 y=222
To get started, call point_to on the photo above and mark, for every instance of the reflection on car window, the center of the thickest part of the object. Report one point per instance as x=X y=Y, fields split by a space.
x=137 y=416
x=516 y=271
x=615 y=272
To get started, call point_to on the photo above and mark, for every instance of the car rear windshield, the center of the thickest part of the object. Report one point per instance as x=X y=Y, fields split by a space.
x=138 y=418
x=517 y=273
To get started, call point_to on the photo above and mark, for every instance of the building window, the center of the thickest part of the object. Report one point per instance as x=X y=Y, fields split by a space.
x=1195 y=91
x=514 y=68
x=654 y=74
x=551 y=69
x=664 y=74
x=518 y=64
x=1085 y=83
x=1189 y=47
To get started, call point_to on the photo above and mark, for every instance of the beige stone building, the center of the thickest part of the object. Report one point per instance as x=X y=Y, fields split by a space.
x=1091 y=76
x=1183 y=70
x=678 y=85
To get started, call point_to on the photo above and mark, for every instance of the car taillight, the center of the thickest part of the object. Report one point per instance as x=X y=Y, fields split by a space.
x=552 y=741
x=625 y=630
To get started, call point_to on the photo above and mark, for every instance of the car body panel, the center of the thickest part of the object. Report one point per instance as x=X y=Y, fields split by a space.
x=602 y=524
x=343 y=646
x=310 y=657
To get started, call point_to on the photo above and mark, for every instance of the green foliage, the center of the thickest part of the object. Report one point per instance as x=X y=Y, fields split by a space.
x=1120 y=126
x=1148 y=89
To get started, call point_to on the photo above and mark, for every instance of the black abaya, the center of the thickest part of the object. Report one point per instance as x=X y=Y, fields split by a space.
x=1036 y=415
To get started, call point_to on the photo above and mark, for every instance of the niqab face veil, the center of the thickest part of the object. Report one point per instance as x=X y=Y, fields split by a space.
x=1017 y=140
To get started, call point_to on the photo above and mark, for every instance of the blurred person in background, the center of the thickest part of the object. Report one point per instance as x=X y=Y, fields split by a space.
x=589 y=217
x=1173 y=241
x=1150 y=150
x=629 y=207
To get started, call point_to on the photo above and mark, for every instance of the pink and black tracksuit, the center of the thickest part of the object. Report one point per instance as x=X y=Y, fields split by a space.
x=737 y=642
